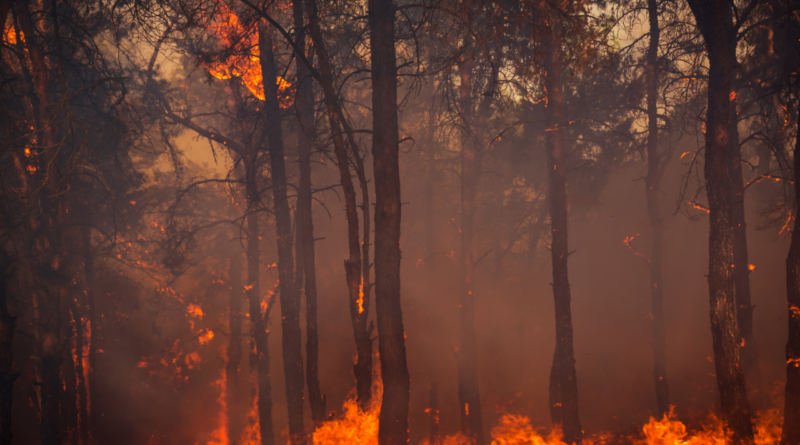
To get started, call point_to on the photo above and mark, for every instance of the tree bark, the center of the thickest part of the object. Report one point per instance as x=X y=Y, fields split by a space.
x=393 y=421
x=741 y=267
x=82 y=434
x=69 y=396
x=715 y=22
x=93 y=398
x=304 y=105
x=289 y=296
x=563 y=378
x=471 y=159
x=236 y=416
x=359 y=304
x=653 y=183
x=252 y=289
x=7 y=377
x=791 y=409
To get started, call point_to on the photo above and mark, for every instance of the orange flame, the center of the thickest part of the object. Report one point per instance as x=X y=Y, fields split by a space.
x=245 y=62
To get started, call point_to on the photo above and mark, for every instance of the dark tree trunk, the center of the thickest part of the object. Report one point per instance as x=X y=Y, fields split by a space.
x=393 y=422
x=469 y=395
x=304 y=104
x=563 y=378
x=290 y=302
x=93 y=398
x=236 y=416
x=741 y=267
x=359 y=305
x=433 y=404
x=791 y=409
x=82 y=414
x=252 y=289
x=653 y=183
x=7 y=377
x=714 y=19
x=69 y=396
x=47 y=253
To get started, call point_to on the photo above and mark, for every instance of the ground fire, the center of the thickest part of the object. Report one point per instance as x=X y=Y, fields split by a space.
x=388 y=222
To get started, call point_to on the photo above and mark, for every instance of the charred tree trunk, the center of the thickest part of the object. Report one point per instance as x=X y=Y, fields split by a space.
x=563 y=378
x=82 y=434
x=289 y=296
x=258 y=322
x=741 y=266
x=69 y=396
x=93 y=398
x=359 y=305
x=7 y=377
x=714 y=19
x=304 y=104
x=471 y=159
x=791 y=409
x=47 y=253
x=433 y=405
x=393 y=421
x=236 y=416
x=653 y=183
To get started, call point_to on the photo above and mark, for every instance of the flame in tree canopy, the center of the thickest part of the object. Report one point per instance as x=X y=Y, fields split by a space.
x=241 y=55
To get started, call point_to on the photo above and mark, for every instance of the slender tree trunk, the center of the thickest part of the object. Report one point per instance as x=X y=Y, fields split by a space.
x=714 y=18
x=430 y=263
x=69 y=396
x=93 y=398
x=236 y=416
x=82 y=415
x=393 y=421
x=252 y=289
x=741 y=267
x=563 y=378
x=791 y=409
x=471 y=159
x=359 y=305
x=653 y=183
x=304 y=104
x=7 y=377
x=47 y=246
x=433 y=404
x=289 y=295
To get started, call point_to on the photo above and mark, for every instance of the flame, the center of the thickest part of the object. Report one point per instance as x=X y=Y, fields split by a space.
x=244 y=62
x=355 y=426
x=361 y=296
x=10 y=36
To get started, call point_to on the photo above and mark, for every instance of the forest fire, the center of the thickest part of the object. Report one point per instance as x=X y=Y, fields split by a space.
x=397 y=222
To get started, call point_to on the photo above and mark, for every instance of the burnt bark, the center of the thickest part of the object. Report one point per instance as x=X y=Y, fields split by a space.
x=359 y=304
x=304 y=105
x=69 y=396
x=393 y=421
x=715 y=22
x=93 y=397
x=741 y=267
x=258 y=323
x=791 y=409
x=563 y=378
x=653 y=183
x=7 y=376
x=471 y=161
x=291 y=337
x=433 y=406
x=236 y=416
x=82 y=434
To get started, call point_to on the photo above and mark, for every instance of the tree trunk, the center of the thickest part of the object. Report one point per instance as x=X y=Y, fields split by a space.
x=653 y=183
x=393 y=422
x=236 y=415
x=359 y=305
x=290 y=302
x=791 y=409
x=252 y=289
x=82 y=413
x=69 y=396
x=469 y=395
x=714 y=18
x=47 y=243
x=7 y=377
x=93 y=397
x=433 y=404
x=563 y=378
x=304 y=104
x=741 y=267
